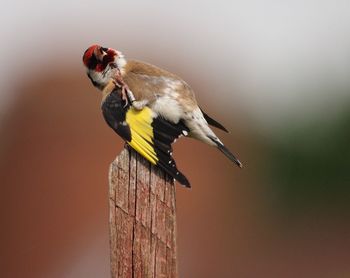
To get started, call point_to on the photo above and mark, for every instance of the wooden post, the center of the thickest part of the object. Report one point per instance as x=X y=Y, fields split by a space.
x=142 y=219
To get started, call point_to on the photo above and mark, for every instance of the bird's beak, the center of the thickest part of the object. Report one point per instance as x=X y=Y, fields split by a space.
x=100 y=52
x=104 y=49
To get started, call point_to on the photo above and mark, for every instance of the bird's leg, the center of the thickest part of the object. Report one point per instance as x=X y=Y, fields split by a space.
x=127 y=94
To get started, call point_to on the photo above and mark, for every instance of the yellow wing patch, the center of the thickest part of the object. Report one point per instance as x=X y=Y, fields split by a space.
x=140 y=123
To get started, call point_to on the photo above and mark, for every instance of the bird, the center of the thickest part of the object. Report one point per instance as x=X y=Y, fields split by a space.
x=149 y=107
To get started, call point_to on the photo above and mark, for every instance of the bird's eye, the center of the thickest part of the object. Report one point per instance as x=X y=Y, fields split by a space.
x=104 y=49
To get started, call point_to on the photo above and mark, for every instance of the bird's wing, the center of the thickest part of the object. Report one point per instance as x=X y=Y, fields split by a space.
x=147 y=133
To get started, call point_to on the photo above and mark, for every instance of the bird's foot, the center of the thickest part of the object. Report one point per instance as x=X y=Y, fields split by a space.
x=125 y=97
x=126 y=94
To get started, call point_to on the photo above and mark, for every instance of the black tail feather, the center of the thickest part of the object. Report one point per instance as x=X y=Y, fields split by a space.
x=213 y=122
x=228 y=154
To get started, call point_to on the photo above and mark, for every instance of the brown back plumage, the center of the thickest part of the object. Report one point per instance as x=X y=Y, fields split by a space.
x=149 y=82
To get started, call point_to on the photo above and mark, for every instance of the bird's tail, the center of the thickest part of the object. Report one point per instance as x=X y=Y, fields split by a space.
x=227 y=152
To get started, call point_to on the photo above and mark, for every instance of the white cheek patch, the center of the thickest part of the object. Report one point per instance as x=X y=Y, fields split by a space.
x=102 y=78
x=99 y=77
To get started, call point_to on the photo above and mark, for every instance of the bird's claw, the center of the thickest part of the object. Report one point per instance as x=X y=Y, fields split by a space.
x=125 y=97
x=126 y=94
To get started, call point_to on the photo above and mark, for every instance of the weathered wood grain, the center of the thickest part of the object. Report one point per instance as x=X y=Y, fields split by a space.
x=142 y=219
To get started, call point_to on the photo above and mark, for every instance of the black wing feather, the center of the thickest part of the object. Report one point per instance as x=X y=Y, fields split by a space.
x=165 y=133
x=114 y=114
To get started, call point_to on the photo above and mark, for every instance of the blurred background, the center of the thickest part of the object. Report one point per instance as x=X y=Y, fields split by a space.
x=275 y=73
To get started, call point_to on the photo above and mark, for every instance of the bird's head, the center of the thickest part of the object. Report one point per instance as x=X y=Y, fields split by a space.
x=102 y=63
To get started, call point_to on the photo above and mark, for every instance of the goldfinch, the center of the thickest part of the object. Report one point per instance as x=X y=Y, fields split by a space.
x=149 y=107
